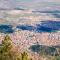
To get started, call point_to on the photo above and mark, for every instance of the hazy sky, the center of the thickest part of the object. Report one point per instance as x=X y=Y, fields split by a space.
x=29 y=4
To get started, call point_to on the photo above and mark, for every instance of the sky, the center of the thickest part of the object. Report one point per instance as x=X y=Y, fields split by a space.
x=29 y=4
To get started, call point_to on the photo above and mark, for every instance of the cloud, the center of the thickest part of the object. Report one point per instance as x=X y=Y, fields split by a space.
x=30 y=4
x=7 y=4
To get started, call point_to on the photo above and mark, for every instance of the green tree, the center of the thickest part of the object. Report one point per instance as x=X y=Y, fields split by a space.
x=7 y=44
x=6 y=48
x=24 y=56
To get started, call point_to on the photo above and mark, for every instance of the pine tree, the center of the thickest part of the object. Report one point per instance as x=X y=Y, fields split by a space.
x=7 y=44
x=6 y=52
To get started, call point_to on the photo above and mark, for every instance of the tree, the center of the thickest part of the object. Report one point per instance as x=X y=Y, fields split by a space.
x=24 y=56
x=6 y=48
x=7 y=44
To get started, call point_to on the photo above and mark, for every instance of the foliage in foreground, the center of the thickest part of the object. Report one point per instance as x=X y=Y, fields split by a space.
x=24 y=56
x=7 y=51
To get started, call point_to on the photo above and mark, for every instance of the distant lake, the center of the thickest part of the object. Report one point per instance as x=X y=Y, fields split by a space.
x=6 y=29
x=44 y=26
